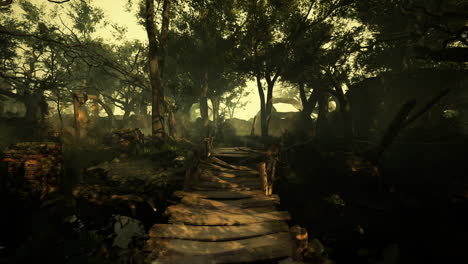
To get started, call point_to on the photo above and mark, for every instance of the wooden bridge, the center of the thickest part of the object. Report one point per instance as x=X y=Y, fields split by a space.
x=224 y=216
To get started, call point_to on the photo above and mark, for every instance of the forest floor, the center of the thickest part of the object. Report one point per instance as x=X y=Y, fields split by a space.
x=121 y=203
x=418 y=215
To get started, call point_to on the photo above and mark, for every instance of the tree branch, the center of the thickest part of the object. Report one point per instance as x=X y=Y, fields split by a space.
x=6 y=2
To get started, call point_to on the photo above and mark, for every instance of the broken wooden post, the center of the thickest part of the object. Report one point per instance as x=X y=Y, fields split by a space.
x=264 y=179
x=208 y=147
x=267 y=169
x=301 y=241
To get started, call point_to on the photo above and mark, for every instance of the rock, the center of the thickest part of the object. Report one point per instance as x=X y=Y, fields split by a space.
x=127 y=229
x=70 y=219
x=37 y=164
x=315 y=247
x=335 y=199
x=179 y=158
x=359 y=229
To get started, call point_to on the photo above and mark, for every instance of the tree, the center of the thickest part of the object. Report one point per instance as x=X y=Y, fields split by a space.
x=232 y=100
x=154 y=57
x=202 y=48
x=28 y=72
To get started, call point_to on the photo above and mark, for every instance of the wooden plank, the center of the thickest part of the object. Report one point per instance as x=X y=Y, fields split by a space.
x=241 y=203
x=232 y=155
x=235 y=182
x=217 y=169
x=224 y=258
x=184 y=209
x=238 y=149
x=229 y=175
x=266 y=247
x=211 y=164
x=216 y=233
x=227 y=165
x=225 y=194
x=208 y=188
x=213 y=217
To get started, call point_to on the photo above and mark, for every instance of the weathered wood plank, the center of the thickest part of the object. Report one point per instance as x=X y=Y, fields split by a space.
x=213 y=217
x=238 y=181
x=216 y=233
x=219 y=170
x=208 y=188
x=227 y=165
x=184 y=209
x=232 y=168
x=225 y=194
x=241 y=203
x=232 y=155
x=239 y=149
x=266 y=247
x=228 y=175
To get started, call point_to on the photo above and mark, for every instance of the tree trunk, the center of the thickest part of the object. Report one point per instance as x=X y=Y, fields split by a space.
x=157 y=115
x=164 y=33
x=184 y=118
x=32 y=113
x=142 y=109
x=126 y=114
x=266 y=106
x=401 y=120
x=204 y=104
x=269 y=107
x=322 y=123
x=263 y=110
x=81 y=115
x=172 y=124
x=308 y=104
x=215 y=104
x=59 y=111
x=36 y=107
x=108 y=110
x=345 y=113
x=252 y=131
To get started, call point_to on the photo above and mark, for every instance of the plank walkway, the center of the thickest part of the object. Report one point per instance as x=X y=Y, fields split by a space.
x=225 y=218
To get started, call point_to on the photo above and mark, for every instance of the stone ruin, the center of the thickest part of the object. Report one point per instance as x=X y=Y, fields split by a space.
x=39 y=163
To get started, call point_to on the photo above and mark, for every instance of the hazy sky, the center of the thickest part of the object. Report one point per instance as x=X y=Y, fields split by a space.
x=115 y=12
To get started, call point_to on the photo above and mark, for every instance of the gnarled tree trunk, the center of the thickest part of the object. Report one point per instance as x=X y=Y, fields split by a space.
x=215 y=104
x=204 y=105
x=157 y=115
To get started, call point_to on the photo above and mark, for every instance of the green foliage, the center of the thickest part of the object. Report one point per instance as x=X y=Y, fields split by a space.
x=32 y=13
x=85 y=17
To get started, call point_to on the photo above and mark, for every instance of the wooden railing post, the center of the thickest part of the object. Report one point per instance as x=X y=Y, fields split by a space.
x=267 y=169
x=301 y=241
x=266 y=184
x=208 y=147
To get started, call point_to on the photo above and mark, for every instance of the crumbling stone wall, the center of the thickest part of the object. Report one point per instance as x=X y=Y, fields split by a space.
x=39 y=163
